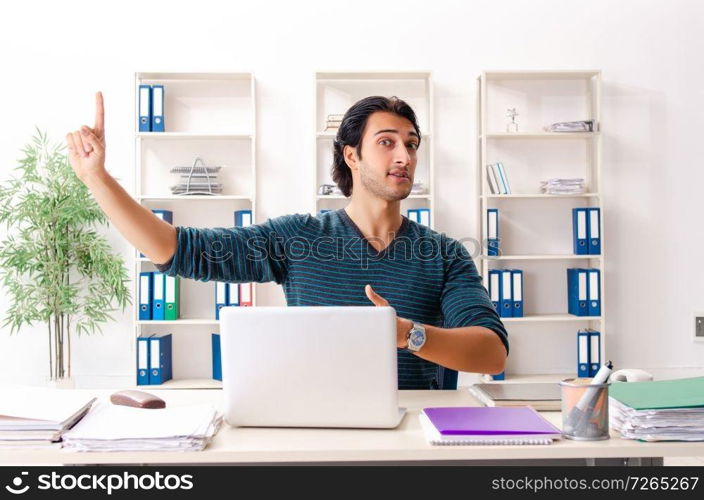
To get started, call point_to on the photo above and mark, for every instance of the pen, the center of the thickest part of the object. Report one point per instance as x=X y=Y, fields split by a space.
x=581 y=410
x=601 y=376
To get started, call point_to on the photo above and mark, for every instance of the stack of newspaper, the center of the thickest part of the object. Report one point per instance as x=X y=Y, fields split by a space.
x=666 y=410
x=37 y=417
x=418 y=188
x=562 y=186
x=333 y=122
x=575 y=126
x=109 y=427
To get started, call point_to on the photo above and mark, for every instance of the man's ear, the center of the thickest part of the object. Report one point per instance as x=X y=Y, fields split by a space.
x=350 y=155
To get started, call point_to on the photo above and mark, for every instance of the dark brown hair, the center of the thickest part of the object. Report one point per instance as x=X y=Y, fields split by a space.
x=352 y=128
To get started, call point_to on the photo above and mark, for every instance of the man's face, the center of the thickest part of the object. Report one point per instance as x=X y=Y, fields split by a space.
x=389 y=157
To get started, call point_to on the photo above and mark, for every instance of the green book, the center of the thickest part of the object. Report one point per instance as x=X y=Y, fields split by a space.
x=660 y=394
x=172 y=298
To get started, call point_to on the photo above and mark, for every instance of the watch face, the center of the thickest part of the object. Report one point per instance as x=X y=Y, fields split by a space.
x=417 y=337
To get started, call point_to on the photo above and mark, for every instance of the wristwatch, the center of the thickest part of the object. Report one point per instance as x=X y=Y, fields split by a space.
x=416 y=337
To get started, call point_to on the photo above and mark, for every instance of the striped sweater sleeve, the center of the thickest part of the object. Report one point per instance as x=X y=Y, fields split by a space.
x=235 y=255
x=464 y=300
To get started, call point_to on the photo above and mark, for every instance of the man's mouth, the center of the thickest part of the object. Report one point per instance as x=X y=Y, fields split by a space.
x=398 y=174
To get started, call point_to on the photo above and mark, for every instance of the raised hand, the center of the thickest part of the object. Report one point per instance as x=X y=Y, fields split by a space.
x=87 y=146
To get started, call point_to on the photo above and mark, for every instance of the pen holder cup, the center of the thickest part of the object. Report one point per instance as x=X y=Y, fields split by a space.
x=585 y=410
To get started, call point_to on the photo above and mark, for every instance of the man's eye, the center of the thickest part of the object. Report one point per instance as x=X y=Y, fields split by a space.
x=413 y=146
x=385 y=142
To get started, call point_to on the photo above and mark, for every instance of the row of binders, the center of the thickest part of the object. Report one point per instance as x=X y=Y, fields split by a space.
x=232 y=295
x=151 y=108
x=584 y=292
x=586 y=230
x=506 y=292
x=155 y=358
x=159 y=296
x=420 y=215
x=154 y=353
x=588 y=352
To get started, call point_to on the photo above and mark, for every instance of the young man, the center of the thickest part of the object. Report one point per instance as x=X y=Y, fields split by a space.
x=365 y=252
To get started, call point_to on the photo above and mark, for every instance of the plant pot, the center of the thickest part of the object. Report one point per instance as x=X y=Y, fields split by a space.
x=62 y=383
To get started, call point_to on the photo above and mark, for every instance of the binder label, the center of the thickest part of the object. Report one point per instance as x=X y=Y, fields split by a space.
x=581 y=224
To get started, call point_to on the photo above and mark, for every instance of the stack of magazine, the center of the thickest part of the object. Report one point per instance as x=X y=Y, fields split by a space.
x=575 y=126
x=197 y=179
x=418 y=188
x=562 y=186
x=333 y=122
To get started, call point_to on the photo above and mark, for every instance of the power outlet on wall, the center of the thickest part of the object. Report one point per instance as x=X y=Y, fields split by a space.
x=699 y=328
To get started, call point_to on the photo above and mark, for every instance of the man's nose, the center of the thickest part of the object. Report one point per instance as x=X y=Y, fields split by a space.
x=401 y=156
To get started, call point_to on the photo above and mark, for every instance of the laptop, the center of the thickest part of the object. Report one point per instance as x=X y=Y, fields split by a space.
x=540 y=395
x=310 y=367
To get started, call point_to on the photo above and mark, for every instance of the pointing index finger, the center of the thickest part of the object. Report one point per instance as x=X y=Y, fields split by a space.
x=99 y=115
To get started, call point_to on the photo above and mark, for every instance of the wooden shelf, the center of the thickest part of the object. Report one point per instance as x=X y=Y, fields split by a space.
x=195 y=321
x=343 y=197
x=540 y=257
x=541 y=74
x=540 y=196
x=550 y=96
x=541 y=135
x=337 y=90
x=185 y=383
x=195 y=197
x=333 y=134
x=190 y=135
x=191 y=76
x=550 y=318
x=217 y=113
x=372 y=75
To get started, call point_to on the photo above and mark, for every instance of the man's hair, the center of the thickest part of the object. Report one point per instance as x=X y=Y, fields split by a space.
x=352 y=129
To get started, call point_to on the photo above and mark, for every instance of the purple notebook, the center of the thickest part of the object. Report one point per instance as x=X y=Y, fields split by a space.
x=489 y=421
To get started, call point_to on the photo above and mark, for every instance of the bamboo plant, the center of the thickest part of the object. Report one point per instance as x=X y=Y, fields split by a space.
x=54 y=265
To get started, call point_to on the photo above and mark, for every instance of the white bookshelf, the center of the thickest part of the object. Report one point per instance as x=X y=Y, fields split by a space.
x=535 y=228
x=211 y=116
x=335 y=92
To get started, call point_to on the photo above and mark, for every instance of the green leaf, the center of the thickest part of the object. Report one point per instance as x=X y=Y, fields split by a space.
x=53 y=261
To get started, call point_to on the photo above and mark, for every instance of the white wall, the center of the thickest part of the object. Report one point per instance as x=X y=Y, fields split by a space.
x=55 y=55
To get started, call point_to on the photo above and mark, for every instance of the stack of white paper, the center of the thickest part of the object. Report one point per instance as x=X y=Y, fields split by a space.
x=36 y=417
x=673 y=424
x=418 y=188
x=573 y=126
x=109 y=427
x=662 y=410
x=562 y=186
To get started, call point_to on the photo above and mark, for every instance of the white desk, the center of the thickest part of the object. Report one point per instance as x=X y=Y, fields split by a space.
x=404 y=444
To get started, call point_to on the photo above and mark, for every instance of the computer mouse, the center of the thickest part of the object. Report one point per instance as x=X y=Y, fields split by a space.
x=630 y=375
x=137 y=399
